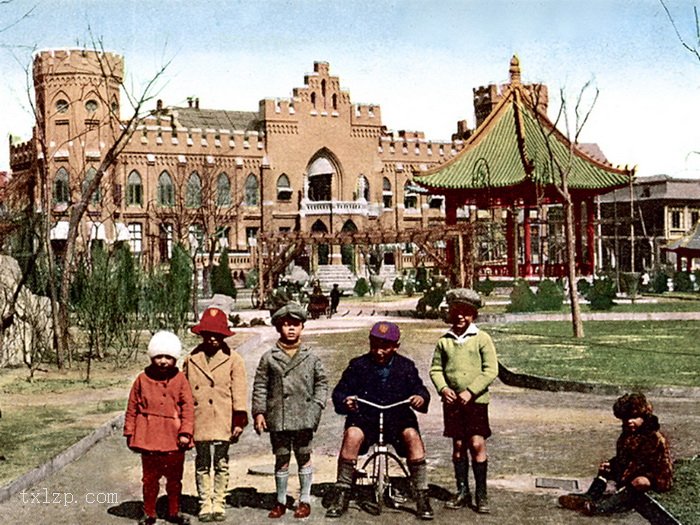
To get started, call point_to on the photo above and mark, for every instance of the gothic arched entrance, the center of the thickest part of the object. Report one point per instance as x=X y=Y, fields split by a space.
x=322 y=250
x=347 y=251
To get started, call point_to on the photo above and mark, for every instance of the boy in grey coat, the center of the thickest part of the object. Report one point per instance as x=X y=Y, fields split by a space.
x=289 y=393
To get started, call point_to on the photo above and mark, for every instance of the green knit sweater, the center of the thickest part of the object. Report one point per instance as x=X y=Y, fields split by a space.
x=470 y=365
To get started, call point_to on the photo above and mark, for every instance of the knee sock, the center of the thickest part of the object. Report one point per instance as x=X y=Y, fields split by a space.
x=281 y=477
x=419 y=474
x=305 y=479
x=346 y=471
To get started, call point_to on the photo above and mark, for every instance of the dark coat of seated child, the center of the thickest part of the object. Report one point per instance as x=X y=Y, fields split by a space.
x=642 y=462
x=159 y=424
x=383 y=377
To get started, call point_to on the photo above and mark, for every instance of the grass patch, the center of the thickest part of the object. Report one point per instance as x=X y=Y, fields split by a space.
x=638 y=354
x=33 y=435
x=682 y=500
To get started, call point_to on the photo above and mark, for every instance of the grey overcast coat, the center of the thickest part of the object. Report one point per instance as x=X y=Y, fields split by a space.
x=290 y=392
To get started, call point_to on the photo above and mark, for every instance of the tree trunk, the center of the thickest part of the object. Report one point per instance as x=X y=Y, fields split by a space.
x=576 y=321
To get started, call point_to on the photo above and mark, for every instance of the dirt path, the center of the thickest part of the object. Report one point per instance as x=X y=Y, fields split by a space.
x=536 y=434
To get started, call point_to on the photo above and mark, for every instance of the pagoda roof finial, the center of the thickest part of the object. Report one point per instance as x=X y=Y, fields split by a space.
x=514 y=70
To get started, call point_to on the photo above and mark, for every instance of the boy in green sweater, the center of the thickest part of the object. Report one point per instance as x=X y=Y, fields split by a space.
x=464 y=365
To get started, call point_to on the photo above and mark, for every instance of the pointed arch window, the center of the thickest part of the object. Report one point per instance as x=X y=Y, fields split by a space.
x=96 y=197
x=387 y=194
x=134 y=189
x=284 y=188
x=61 y=187
x=193 y=191
x=252 y=191
x=166 y=190
x=223 y=190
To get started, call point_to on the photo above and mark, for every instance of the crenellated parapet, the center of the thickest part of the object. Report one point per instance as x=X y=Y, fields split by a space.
x=412 y=146
x=161 y=134
x=22 y=155
x=72 y=62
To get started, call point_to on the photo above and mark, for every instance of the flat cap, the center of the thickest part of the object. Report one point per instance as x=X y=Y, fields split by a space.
x=291 y=309
x=464 y=296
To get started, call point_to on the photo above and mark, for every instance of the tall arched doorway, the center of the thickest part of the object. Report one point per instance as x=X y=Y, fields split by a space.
x=322 y=250
x=347 y=251
x=320 y=174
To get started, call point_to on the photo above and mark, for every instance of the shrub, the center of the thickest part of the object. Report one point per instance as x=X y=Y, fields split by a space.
x=410 y=287
x=550 y=296
x=522 y=298
x=361 y=287
x=659 y=284
x=630 y=283
x=398 y=285
x=421 y=279
x=602 y=294
x=485 y=287
x=583 y=287
x=251 y=279
x=682 y=282
x=221 y=279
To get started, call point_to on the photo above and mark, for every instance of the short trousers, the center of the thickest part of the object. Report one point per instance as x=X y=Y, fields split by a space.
x=465 y=421
x=391 y=437
x=285 y=441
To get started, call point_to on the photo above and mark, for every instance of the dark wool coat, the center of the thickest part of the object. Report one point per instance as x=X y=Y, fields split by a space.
x=160 y=408
x=290 y=392
x=643 y=453
x=361 y=378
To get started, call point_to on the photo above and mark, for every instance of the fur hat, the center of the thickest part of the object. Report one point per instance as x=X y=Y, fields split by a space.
x=291 y=309
x=631 y=406
x=213 y=320
x=164 y=343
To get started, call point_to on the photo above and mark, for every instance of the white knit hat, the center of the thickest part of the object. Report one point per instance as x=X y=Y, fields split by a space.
x=164 y=343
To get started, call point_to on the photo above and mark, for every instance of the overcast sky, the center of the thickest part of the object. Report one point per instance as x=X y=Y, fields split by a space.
x=418 y=60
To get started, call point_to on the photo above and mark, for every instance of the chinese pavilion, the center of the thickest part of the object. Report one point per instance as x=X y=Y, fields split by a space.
x=509 y=170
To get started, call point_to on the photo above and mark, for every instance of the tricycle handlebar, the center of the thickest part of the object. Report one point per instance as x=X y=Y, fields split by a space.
x=381 y=407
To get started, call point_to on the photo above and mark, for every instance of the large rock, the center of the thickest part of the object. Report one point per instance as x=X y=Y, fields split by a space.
x=32 y=330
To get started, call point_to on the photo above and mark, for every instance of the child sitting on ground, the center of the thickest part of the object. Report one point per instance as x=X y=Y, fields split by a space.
x=289 y=393
x=159 y=424
x=383 y=377
x=642 y=462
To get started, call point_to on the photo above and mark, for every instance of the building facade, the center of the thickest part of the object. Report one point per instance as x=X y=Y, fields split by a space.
x=639 y=222
x=313 y=162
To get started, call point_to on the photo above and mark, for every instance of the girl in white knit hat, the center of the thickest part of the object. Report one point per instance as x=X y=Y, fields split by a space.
x=159 y=424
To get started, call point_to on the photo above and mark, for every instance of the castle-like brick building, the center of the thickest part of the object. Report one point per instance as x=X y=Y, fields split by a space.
x=314 y=162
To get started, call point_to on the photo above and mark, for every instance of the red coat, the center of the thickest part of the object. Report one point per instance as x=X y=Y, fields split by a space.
x=159 y=410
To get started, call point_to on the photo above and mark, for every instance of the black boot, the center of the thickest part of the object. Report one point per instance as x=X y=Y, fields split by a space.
x=339 y=504
x=622 y=501
x=578 y=502
x=482 y=499
x=423 y=509
x=463 y=498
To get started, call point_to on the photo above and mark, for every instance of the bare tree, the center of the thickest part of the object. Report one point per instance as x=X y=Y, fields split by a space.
x=561 y=166
x=106 y=129
x=691 y=46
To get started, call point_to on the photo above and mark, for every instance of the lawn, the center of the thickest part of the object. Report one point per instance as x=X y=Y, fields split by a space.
x=638 y=354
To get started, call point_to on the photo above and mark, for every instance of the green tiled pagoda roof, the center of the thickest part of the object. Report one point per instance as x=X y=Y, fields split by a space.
x=511 y=148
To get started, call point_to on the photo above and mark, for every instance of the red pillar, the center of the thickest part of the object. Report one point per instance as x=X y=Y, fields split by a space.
x=578 y=234
x=590 y=236
x=511 y=247
x=679 y=262
x=689 y=263
x=527 y=243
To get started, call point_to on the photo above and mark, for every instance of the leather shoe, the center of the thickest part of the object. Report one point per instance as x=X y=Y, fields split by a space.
x=303 y=510
x=339 y=504
x=277 y=511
